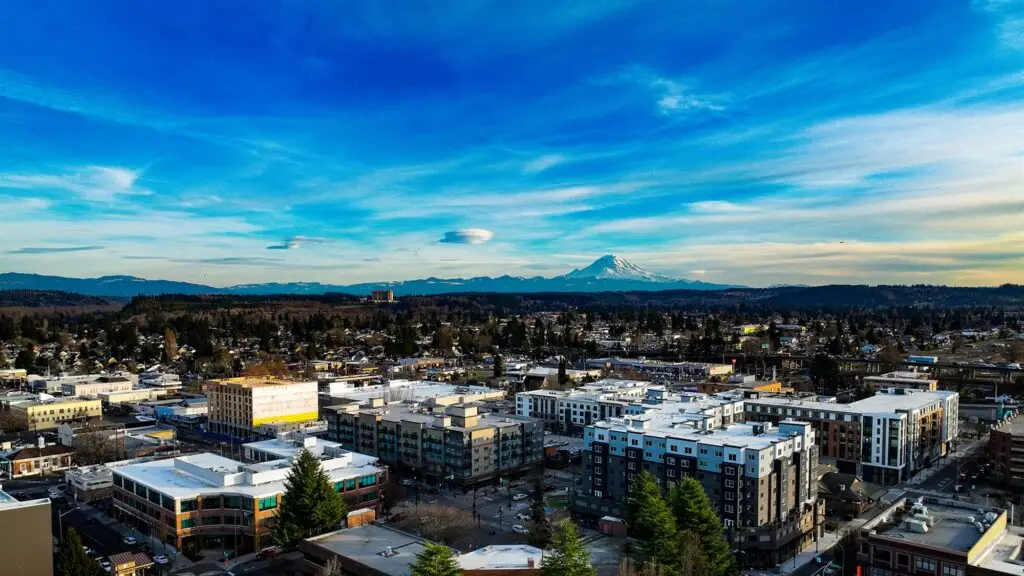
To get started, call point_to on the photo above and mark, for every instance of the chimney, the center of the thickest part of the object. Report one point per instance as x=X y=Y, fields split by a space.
x=41 y=443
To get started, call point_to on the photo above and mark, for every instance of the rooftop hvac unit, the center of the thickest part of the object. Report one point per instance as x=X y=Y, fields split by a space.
x=916 y=526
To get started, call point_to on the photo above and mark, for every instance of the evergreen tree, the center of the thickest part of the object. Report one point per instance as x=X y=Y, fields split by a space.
x=693 y=509
x=72 y=560
x=26 y=359
x=567 y=556
x=435 y=560
x=499 y=366
x=540 y=525
x=309 y=505
x=563 y=376
x=651 y=521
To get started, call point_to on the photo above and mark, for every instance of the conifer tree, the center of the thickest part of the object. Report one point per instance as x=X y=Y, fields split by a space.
x=652 y=522
x=309 y=505
x=435 y=560
x=567 y=556
x=73 y=561
x=540 y=525
x=693 y=509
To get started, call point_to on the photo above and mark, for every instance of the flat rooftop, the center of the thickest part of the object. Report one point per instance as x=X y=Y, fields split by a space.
x=177 y=482
x=413 y=390
x=366 y=545
x=411 y=413
x=950 y=528
x=879 y=403
x=1005 y=554
x=257 y=381
x=502 y=557
x=682 y=426
x=317 y=446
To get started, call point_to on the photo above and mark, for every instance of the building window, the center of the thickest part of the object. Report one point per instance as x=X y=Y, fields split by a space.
x=670 y=473
x=925 y=564
x=598 y=493
x=688 y=450
x=188 y=506
x=233 y=502
x=188 y=523
x=949 y=570
x=880 y=572
x=902 y=560
x=598 y=459
x=631 y=465
x=268 y=503
x=729 y=509
x=730 y=483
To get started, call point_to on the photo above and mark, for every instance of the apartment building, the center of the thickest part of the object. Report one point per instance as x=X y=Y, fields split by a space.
x=49 y=413
x=564 y=410
x=1006 y=452
x=885 y=439
x=212 y=501
x=760 y=478
x=918 y=380
x=382 y=296
x=575 y=409
x=238 y=407
x=925 y=535
x=26 y=538
x=453 y=442
x=657 y=368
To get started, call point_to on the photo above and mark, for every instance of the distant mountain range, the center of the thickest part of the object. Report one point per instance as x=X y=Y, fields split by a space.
x=607 y=274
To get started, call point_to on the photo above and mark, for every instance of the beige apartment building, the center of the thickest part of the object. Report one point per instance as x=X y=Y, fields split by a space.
x=46 y=414
x=453 y=442
x=238 y=407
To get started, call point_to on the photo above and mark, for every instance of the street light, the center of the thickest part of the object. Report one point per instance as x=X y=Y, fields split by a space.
x=843 y=550
x=60 y=522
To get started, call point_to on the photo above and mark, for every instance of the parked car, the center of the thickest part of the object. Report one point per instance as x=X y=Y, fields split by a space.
x=88 y=551
x=106 y=565
x=520 y=497
x=269 y=552
x=406 y=482
x=161 y=559
x=519 y=529
x=523 y=516
x=129 y=541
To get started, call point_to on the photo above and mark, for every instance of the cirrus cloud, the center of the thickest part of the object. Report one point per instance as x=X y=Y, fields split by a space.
x=467 y=236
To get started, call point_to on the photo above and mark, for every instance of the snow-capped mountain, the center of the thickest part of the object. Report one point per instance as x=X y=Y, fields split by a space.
x=612 y=267
x=607 y=274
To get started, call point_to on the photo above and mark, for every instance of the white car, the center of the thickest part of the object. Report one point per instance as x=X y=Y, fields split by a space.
x=106 y=565
x=518 y=529
x=520 y=497
x=161 y=559
x=523 y=516
x=129 y=541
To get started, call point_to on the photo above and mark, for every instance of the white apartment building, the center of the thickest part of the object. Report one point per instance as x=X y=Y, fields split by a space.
x=919 y=380
x=86 y=385
x=884 y=439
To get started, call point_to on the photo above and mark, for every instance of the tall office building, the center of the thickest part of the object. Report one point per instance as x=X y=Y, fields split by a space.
x=239 y=407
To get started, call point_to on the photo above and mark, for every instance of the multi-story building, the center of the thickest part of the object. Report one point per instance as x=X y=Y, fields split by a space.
x=400 y=390
x=760 y=478
x=918 y=380
x=47 y=414
x=452 y=442
x=924 y=535
x=382 y=296
x=575 y=409
x=1006 y=452
x=238 y=407
x=216 y=501
x=884 y=439
x=26 y=537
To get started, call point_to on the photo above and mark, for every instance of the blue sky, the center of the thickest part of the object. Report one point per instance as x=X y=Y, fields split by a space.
x=728 y=141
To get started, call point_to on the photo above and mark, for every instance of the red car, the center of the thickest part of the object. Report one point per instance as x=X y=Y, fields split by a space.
x=271 y=552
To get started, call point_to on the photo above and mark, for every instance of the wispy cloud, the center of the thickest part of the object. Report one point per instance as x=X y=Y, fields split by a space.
x=296 y=242
x=53 y=249
x=467 y=236
x=93 y=183
x=543 y=163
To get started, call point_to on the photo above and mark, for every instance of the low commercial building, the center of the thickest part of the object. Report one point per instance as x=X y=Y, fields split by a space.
x=760 y=478
x=423 y=391
x=90 y=483
x=917 y=380
x=48 y=414
x=657 y=368
x=127 y=397
x=1006 y=452
x=39 y=460
x=238 y=407
x=741 y=382
x=454 y=442
x=208 y=500
x=367 y=550
x=26 y=537
x=96 y=385
x=884 y=439
x=13 y=377
x=928 y=535
x=502 y=560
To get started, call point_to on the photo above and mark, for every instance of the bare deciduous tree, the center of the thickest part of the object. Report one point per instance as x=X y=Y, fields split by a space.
x=96 y=444
x=445 y=524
